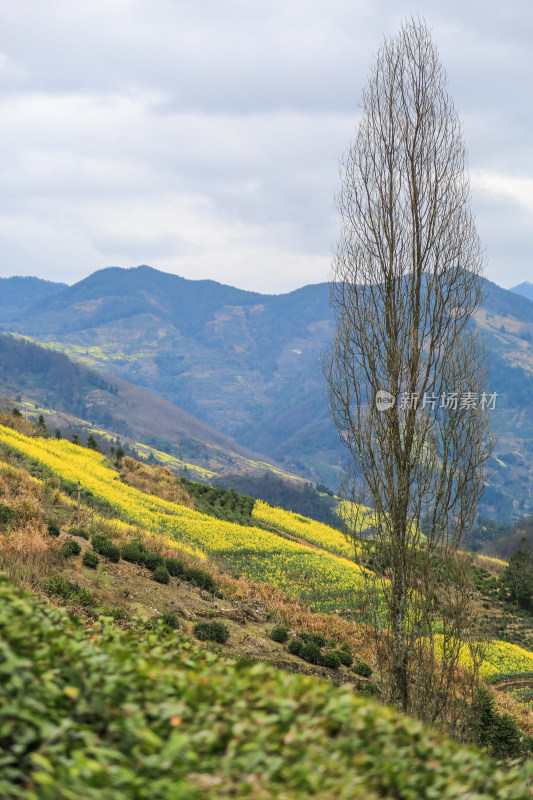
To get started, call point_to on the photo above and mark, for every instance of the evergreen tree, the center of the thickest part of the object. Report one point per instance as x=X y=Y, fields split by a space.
x=92 y=443
x=517 y=580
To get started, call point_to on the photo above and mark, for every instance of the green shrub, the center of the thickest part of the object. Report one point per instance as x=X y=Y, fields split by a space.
x=279 y=634
x=345 y=647
x=199 y=577
x=161 y=574
x=103 y=545
x=311 y=653
x=170 y=620
x=80 y=532
x=331 y=659
x=175 y=567
x=363 y=669
x=153 y=560
x=295 y=647
x=68 y=591
x=70 y=548
x=499 y=733
x=53 y=528
x=7 y=515
x=211 y=632
x=133 y=552
x=90 y=559
x=315 y=638
x=344 y=657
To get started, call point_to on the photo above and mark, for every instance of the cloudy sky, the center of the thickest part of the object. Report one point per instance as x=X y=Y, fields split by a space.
x=203 y=137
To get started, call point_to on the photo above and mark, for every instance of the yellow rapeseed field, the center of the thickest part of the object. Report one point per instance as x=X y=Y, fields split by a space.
x=321 y=580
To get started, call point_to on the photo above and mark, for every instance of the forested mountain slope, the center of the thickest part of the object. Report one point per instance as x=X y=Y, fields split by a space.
x=250 y=365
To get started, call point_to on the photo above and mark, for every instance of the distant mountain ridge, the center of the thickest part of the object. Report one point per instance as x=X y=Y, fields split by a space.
x=71 y=392
x=525 y=289
x=250 y=364
x=18 y=293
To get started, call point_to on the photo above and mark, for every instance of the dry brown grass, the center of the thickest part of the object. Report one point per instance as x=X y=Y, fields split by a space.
x=19 y=424
x=27 y=552
x=28 y=555
x=156 y=480
x=522 y=714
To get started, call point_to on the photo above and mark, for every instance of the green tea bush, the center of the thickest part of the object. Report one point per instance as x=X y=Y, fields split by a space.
x=344 y=657
x=279 y=634
x=68 y=591
x=153 y=560
x=170 y=620
x=316 y=638
x=103 y=545
x=133 y=552
x=53 y=528
x=199 y=577
x=330 y=659
x=80 y=532
x=363 y=669
x=129 y=714
x=211 y=632
x=311 y=653
x=161 y=574
x=70 y=548
x=90 y=559
x=295 y=647
x=175 y=567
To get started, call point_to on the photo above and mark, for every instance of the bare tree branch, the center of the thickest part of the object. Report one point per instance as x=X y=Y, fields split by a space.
x=407 y=279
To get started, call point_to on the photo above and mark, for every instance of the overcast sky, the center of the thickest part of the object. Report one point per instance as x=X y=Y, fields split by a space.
x=203 y=137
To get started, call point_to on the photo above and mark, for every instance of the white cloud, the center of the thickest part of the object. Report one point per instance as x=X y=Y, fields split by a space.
x=204 y=137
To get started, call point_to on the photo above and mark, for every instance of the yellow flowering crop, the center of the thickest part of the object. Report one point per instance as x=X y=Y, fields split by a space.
x=321 y=579
x=304 y=528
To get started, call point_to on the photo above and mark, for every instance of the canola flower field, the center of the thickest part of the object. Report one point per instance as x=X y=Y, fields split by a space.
x=314 y=532
x=319 y=579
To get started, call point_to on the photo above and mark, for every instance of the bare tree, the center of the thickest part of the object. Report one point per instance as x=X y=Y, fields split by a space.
x=405 y=365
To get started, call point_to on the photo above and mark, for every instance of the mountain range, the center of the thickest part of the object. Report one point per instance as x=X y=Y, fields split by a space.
x=249 y=365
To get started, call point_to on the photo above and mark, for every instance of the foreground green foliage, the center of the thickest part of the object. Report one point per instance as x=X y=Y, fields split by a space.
x=106 y=714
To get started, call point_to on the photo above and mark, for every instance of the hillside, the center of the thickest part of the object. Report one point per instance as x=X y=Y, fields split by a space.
x=132 y=677
x=151 y=716
x=249 y=365
x=73 y=397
